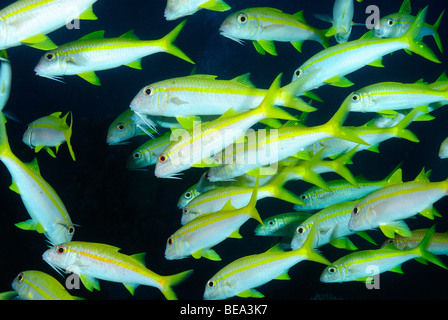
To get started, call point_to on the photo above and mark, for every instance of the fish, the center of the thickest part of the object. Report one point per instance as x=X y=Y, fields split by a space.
x=281 y=225
x=5 y=79
x=200 y=141
x=146 y=154
x=443 y=150
x=396 y=24
x=264 y=25
x=331 y=65
x=198 y=236
x=240 y=277
x=176 y=9
x=363 y=264
x=343 y=11
x=317 y=198
x=332 y=225
x=29 y=21
x=93 y=52
x=47 y=211
x=398 y=202
x=38 y=285
x=239 y=196
x=123 y=128
x=93 y=261
x=438 y=244
x=50 y=131
x=202 y=94
x=395 y=96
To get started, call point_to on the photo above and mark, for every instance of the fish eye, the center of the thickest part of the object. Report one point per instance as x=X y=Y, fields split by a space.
x=71 y=230
x=390 y=22
x=120 y=126
x=163 y=158
x=355 y=211
x=170 y=241
x=50 y=56
x=332 y=269
x=137 y=155
x=271 y=222
x=300 y=230
x=242 y=18
x=211 y=284
x=148 y=91
x=20 y=277
x=303 y=197
x=188 y=195
x=298 y=73
x=60 y=249
x=356 y=97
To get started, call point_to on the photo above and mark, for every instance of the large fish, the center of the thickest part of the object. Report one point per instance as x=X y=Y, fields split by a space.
x=93 y=261
x=28 y=21
x=47 y=211
x=93 y=52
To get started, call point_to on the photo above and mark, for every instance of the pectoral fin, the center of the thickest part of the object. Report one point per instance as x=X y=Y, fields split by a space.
x=90 y=77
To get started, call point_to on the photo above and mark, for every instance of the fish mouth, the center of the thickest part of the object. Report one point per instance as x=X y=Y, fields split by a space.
x=224 y=34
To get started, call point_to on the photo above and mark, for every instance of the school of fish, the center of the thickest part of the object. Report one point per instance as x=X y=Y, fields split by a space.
x=248 y=142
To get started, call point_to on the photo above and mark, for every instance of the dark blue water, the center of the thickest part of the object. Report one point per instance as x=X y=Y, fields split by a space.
x=138 y=212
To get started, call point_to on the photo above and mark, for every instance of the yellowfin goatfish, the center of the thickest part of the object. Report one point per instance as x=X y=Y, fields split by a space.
x=443 y=150
x=239 y=196
x=281 y=225
x=146 y=155
x=5 y=79
x=265 y=25
x=395 y=96
x=317 y=198
x=93 y=52
x=180 y=8
x=438 y=245
x=197 y=237
x=332 y=225
x=240 y=277
x=37 y=285
x=360 y=265
x=343 y=11
x=396 y=24
x=123 y=128
x=331 y=65
x=397 y=202
x=47 y=211
x=28 y=21
x=199 y=95
x=50 y=131
x=204 y=140
x=93 y=261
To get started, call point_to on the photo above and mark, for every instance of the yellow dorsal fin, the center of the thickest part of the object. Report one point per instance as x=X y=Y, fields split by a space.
x=130 y=35
x=244 y=79
x=422 y=176
x=93 y=35
x=88 y=14
x=140 y=257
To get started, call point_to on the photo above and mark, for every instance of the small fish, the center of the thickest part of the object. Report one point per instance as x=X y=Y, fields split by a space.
x=47 y=211
x=443 y=151
x=198 y=95
x=343 y=11
x=239 y=196
x=197 y=237
x=397 y=202
x=332 y=64
x=176 y=9
x=363 y=264
x=240 y=277
x=123 y=128
x=50 y=131
x=438 y=244
x=146 y=155
x=281 y=225
x=93 y=52
x=5 y=79
x=93 y=261
x=317 y=198
x=395 y=96
x=37 y=285
x=201 y=141
x=28 y=21
x=332 y=225
x=396 y=24
x=264 y=25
